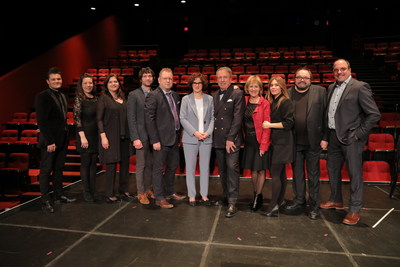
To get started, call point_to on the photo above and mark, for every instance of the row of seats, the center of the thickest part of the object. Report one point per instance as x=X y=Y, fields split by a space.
x=107 y=71
x=98 y=80
x=259 y=49
x=325 y=78
x=254 y=69
x=136 y=53
x=267 y=55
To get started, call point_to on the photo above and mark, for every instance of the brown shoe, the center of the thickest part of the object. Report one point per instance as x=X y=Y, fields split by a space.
x=176 y=196
x=331 y=205
x=143 y=198
x=150 y=194
x=351 y=218
x=164 y=204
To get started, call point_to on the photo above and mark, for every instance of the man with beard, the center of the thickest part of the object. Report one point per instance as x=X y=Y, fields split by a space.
x=310 y=137
x=139 y=136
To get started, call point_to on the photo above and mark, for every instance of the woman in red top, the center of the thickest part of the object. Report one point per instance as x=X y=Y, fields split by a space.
x=257 y=139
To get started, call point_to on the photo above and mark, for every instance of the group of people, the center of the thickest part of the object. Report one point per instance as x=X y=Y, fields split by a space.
x=286 y=126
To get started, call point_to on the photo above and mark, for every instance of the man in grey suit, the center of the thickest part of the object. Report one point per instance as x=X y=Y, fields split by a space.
x=352 y=112
x=310 y=105
x=139 y=135
x=162 y=122
x=229 y=106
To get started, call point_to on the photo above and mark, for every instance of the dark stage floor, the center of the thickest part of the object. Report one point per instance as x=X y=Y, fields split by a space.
x=129 y=234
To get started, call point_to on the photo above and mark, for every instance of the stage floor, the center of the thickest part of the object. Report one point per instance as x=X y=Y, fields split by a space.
x=130 y=234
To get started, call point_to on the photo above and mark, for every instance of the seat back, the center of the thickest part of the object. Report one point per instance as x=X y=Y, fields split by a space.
x=19 y=161
x=380 y=141
x=376 y=171
x=9 y=136
x=29 y=136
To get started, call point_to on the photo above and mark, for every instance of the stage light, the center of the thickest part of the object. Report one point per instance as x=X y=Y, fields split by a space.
x=136 y=4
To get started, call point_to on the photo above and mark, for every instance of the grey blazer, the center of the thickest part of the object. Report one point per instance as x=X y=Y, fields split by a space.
x=136 y=118
x=189 y=118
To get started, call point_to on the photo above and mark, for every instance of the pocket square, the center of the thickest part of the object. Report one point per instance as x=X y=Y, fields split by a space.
x=229 y=100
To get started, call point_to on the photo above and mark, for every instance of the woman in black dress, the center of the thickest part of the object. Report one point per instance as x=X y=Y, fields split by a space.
x=257 y=140
x=282 y=147
x=114 y=135
x=85 y=105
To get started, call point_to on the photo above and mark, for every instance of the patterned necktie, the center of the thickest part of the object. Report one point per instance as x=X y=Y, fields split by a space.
x=173 y=108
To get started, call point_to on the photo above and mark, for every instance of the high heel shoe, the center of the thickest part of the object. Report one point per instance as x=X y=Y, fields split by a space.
x=111 y=201
x=257 y=203
x=273 y=213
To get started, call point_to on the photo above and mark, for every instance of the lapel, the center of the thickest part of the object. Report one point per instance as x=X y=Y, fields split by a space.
x=57 y=102
x=345 y=93
x=312 y=94
x=192 y=104
x=205 y=105
x=227 y=95
x=164 y=97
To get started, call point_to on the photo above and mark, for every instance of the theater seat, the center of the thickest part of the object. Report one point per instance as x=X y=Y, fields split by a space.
x=9 y=136
x=28 y=136
x=376 y=171
x=381 y=147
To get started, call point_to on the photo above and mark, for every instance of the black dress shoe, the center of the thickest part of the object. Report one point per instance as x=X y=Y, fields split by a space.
x=64 y=199
x=47 y=207
x=294 y=209
x=88 y=197
x=272 y=213
x=192 y=203
x=206 y=202
x=314 y=214
x=127 y=196
x=231 y=211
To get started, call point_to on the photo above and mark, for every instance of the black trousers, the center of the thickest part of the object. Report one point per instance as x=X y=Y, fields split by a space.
x=304 y=153
x=88 y=171
x=339 y=153
x=229 y=173
x=165 y=163
x=51 y=169
x=111 y=170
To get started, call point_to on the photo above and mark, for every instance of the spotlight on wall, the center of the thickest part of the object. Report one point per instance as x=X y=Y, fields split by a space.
x=93 y=8
x=136 y=4
x=183 y=1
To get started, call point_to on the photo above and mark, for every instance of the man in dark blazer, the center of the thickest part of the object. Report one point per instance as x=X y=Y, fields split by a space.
x=310 y=136
x=163 y=126
x=229 y=106
x=51 y=113
x=139 y=136
x=352 y=112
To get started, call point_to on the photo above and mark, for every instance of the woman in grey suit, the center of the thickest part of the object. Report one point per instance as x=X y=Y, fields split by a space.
x=197 y=119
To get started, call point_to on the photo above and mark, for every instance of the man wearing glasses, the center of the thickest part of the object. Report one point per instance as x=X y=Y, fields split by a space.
x=352 y=112
x=310 y=137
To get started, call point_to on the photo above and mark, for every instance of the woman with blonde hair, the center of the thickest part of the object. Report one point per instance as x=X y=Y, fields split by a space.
x=282 y=143
x=257 y=140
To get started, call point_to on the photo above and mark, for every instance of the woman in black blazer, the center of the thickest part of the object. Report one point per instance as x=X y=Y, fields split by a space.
x=282 y=147
x=114 y=136
x=87 y=139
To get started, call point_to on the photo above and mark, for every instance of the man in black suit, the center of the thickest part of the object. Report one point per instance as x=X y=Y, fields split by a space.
x=310 y=105
x=139 y=135
x=51 y=113
x=229 y=106
x=352 y=112
x=162 y=122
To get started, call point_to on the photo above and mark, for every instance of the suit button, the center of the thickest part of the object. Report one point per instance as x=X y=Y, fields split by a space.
x=215 y=128
x=222 y=128
x=222 y=118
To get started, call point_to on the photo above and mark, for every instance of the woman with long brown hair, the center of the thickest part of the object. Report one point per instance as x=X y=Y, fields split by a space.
x=282 y=146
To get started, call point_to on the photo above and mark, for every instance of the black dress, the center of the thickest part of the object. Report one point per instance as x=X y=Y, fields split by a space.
x=251 y=155
x=85 y=120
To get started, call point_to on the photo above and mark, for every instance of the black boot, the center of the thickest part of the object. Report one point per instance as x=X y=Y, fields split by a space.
x=258 y=201
x=252 y=200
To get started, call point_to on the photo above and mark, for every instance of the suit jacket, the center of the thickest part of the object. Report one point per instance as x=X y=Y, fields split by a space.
x=260 y=114
x=190 y=121
x=316 y=116
x=356 y=112
x=228 y=114
x=136 y=117
x=51 y=119
x=160 y=121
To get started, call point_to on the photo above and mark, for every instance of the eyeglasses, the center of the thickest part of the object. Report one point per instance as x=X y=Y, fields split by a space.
x=302 y=78
x=341 y=69
x=197 y=83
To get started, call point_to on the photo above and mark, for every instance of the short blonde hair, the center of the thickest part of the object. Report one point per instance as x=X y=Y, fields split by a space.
x=165 y=70
x=251 y=80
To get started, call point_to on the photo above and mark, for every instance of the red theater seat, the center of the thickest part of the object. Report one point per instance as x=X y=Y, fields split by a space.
x=9 y=136
x=376 y=171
